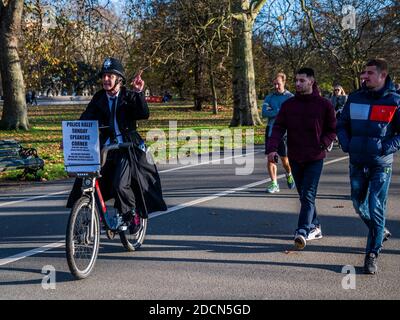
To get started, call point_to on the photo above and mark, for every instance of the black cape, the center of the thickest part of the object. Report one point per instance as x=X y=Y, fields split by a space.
x=146 y=184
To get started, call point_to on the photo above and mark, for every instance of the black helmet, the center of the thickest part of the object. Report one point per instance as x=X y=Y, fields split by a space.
x=112 y=65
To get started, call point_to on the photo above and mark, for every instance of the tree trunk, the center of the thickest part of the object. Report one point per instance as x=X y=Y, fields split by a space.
x=179 y=86
x=199 y=82
x=212 y=85
x=15 y=114
x=214 y=93
x=244 y=92
x=356 y=83
x=356 y=77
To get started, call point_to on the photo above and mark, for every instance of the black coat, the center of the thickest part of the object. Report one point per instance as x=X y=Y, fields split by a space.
x=131 y=106
x=146 y=182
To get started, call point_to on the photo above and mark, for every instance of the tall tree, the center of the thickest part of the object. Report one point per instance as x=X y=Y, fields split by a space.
x=349 y=39
x=208 y=22
x=186 y=43
x=15 y=114
x=244 y=14
x=285 y=36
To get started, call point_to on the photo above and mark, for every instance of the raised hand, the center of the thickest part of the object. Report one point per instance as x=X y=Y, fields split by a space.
x=137 y=82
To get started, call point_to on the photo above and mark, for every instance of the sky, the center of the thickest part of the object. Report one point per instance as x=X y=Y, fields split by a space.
x=116 y=3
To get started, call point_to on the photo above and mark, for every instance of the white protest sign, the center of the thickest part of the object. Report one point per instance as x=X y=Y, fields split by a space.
x=81 y=146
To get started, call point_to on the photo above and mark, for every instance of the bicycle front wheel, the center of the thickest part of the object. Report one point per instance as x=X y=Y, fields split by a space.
x=82 y=242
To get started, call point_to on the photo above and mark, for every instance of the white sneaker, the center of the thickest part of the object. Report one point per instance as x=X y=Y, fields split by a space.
x=315 y=234
x=300 y=241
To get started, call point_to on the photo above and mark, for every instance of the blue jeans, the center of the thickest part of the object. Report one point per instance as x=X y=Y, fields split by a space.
x=306 y=176
x=369 y=190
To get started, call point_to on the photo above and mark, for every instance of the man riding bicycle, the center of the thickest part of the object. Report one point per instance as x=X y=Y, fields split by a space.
x=127 y=176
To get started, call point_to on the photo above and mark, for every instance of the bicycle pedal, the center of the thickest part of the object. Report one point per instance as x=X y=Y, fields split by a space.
x=123 y=228
x=110 y=234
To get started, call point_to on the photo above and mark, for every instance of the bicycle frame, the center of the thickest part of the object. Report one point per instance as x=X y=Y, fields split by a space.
x=83 y=236
x=91 y=187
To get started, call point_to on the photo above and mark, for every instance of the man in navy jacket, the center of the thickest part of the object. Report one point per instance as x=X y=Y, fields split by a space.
x=368 y=129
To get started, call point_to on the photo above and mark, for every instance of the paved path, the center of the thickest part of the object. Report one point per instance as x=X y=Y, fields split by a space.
x=224 y=238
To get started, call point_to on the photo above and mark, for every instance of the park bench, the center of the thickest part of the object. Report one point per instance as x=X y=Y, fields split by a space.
x=13 y=156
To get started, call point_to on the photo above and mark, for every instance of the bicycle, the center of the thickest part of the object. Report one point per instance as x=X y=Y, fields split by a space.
x=88 y=214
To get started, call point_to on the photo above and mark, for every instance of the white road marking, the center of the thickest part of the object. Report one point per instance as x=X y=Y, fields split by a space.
x=208 y=162
x=32 y=252
x=4 y=204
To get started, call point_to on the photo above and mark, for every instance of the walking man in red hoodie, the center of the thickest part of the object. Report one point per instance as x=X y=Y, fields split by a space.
x=310 y=123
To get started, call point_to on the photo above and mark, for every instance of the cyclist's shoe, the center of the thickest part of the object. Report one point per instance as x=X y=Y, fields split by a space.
x=370 y=263
x=272 y=187
x=135 y=226
x=386 y=234
x=126 y=219
x=128 y=216
x=290 y=181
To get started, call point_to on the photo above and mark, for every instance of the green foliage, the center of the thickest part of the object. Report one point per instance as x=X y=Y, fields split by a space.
x=325 y=86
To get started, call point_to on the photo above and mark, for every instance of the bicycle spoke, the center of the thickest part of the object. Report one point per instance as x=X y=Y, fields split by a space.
x=83 y=245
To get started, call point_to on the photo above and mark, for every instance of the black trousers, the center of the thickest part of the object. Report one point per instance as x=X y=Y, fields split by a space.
x=117 y=180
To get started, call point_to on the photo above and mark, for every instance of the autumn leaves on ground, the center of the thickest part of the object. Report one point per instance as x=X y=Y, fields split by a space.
x=45 y=132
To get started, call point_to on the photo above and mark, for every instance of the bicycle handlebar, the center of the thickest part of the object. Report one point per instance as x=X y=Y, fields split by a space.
x=109 y=147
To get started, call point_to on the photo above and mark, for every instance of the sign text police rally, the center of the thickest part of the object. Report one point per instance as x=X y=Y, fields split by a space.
x=81 y=146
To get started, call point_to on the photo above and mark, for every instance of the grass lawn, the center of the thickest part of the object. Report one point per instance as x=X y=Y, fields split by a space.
x=45 y=133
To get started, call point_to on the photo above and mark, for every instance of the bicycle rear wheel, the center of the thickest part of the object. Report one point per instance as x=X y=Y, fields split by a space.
x=132 y=242
x=82 y=246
